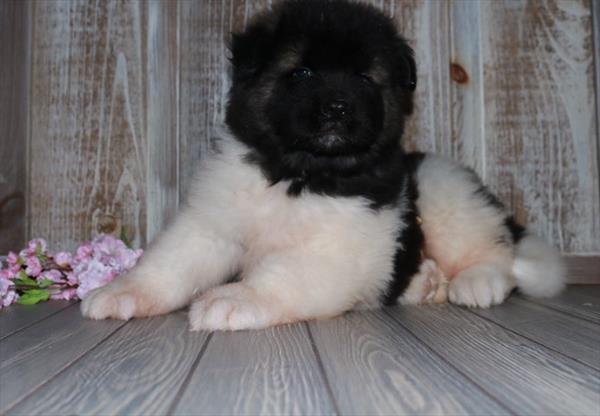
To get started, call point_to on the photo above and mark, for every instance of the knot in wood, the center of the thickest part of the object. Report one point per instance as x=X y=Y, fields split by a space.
x=458 y=73
x=107 y=224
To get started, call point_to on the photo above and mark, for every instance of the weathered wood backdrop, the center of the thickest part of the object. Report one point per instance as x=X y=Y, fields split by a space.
x=106 y=107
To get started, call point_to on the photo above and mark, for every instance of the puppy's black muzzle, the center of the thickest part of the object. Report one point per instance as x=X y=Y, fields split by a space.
x=336 y=109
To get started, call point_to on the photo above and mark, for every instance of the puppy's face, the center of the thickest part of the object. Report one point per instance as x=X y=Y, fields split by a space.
x=321 y=82
x=325 y=106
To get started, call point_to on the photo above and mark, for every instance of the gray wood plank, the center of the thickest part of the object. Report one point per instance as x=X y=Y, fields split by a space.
x=38 y=353
x=571 y=336
x=376 y=367
x=138 y=371
x=20 y=316
x=273 y=371
x=582 y=301
x=523 y=375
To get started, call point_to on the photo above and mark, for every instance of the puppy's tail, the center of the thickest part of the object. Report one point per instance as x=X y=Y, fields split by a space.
x=538 y=268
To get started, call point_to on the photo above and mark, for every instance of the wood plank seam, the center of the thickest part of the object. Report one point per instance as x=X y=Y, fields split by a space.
x=16 y=331
x=328 y=388
x=65 y=368
x=186 y=380
x=28 y=121
x=555 y=309
x=449 y=364
x=538 y=343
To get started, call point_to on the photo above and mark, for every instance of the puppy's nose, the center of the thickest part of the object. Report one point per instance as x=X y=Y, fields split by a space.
x=335 y=108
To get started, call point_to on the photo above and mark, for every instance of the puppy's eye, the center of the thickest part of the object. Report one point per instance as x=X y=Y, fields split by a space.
x=366 y=79
x=302 y=73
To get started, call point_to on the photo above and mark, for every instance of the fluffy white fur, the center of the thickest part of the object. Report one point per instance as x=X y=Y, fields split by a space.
x=461 y=233
x=316 y=256
x=538 y=268
x=299 y=258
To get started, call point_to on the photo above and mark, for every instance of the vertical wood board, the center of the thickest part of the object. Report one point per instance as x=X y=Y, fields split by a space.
x=88 y=133
x=467 y=139
x=205 y=29
x=162 y=118
x=540 y=117
x=14 y=100
x=424 y=24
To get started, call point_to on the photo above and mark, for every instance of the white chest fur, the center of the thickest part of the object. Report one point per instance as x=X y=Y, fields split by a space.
x=360 y=242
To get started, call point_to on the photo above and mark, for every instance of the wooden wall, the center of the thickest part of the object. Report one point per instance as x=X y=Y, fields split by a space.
x=14 y=99
x=106 y=107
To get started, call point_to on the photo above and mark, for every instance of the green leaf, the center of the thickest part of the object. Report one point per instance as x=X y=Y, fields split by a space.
x=45 y=283
x=33 y=296
x=24 y=280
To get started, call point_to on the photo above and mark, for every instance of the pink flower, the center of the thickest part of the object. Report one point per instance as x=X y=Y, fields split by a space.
x=66 y=294
x=92 y=275
x=12 y=259
x=129 y=258
x=53 y=275
x=37 y=246
x=10 y=272
x=63 y=259
x=14 y=270
x=7 y=292
x=84 y=251
x=34 y=267
x=94 y=265
x=72 y=278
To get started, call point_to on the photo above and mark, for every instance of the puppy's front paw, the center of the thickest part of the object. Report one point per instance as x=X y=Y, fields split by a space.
x=480 y=287
x=118 y=300
x=229 y=308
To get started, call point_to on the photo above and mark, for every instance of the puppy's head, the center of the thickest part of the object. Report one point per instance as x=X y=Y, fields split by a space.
x=320 y=83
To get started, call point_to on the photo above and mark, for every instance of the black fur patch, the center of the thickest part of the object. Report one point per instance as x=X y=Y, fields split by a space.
x=378 y=179
x=517 y=231
x=407 y=259
x=292 y=68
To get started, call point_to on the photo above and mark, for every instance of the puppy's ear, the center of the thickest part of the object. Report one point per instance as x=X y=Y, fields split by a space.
x=249 y=49
x=406 y=73
x=405 y=65
x=411 y=78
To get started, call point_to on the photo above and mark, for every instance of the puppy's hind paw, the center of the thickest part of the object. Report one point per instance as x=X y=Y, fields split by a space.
x=429 y=285
x=480 y=286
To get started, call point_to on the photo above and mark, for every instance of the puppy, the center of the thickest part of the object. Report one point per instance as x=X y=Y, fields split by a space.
x=311 y=200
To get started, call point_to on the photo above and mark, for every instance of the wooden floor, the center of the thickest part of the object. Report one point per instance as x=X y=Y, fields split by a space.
x=524 y=357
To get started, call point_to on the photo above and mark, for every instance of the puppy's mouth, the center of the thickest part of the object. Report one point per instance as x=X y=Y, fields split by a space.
x=330 y=141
